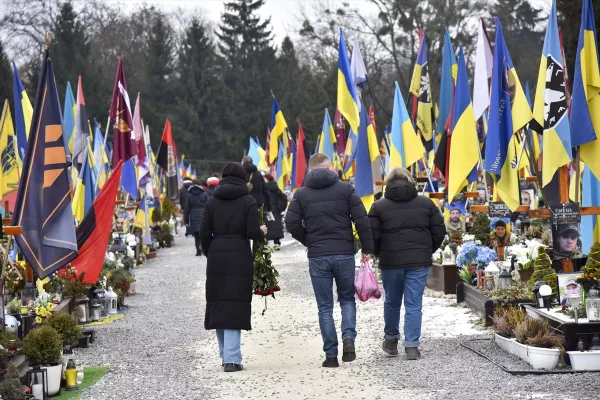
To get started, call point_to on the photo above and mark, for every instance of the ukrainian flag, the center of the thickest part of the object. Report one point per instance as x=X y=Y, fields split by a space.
x=419 y=86
x=506 y=118
x=346 y=94
x=405 y=146
x=100 y=157
x=258 y=155
x=449 y=73
x=23 y=113
x=464 y=151
x=9 y=174
x=69 y=118
x=533 y=136
x=368 y=160
x=141 y=220
x=590 y=228
x=278 y=128
x=585 y=106
x=281 y=168
x=327 y=139
x=85 y=192
x=550 y=109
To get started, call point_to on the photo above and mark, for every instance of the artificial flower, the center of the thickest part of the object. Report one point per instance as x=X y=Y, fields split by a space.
x=38 y=320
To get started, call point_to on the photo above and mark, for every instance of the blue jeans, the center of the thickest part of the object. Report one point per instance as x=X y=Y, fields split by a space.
x=323 y=270
x=230 y=345
x=410 y=284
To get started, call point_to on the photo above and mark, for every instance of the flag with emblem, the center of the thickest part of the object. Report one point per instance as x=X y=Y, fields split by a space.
x=166 y=160
x=43 y=206
x=420 y=88
x=9 y=179
x=124 y=144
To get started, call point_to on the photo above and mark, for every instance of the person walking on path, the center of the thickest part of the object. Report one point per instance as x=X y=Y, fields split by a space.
x=320 y=217
x=278 y=202
x=257 y=186
x=230 y=220
x=194 y=210
x=183 y=193
x=407 y=229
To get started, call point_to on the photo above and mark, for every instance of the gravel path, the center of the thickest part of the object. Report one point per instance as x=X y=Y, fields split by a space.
x=160 y=350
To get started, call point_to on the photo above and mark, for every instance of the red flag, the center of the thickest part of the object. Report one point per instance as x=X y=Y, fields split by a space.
x=268 y=146
x=124 y=145
x=166 y=159
x=372 y=118
x=139 y=132
x=301 y=153
x=94 y=231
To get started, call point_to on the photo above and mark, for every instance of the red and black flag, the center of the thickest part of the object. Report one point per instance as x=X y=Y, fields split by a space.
x=94 y=231
x=124 y=144
x=167 y=161
x=301 y=158
x=43 y=206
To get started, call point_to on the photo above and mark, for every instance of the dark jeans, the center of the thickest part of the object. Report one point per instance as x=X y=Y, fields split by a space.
x=197 y=240
x=277 y=241
x=323 y=270
x=407 y=283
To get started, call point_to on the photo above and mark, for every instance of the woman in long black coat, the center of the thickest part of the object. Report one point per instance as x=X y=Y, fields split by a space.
x=196 y=199
x=230 y=221
x=278 y=202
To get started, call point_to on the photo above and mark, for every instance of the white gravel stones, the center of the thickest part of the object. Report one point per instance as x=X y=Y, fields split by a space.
x=160 y=350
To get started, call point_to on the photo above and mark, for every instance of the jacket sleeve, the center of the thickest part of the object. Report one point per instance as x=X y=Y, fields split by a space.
x=436 y=227
x=375 y=229
x=265 y=193
x=253 y=230
x=293 y=220
x=186 y=212
x=281 y=201
x=361 y=221
x=206 y=231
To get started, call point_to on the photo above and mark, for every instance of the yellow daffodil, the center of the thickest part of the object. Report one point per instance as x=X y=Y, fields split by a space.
x=50 y=306
x=38 y=320
x=37 y=310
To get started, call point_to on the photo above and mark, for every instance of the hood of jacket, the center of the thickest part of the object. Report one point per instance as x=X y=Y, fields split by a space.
x=249 y=167
x=187 y=184
x=272 y=186
x=195 y=189
x=400 y=191
x=230 y=188
x=320 y=178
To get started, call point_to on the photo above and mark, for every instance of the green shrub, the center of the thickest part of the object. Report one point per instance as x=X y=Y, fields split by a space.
x=43 y=346
x=10 y=387
x=66 y=326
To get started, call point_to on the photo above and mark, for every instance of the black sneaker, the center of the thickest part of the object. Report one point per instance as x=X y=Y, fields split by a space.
x=390 y=347
x=331 y=362
x=198 y=253
x=412 y=353
x=349 y=352
x=230 y=367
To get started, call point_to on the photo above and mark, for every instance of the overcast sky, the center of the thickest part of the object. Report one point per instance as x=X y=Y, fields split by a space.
x=284 y=13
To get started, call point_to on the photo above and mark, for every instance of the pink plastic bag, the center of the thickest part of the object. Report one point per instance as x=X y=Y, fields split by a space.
x=365 y=285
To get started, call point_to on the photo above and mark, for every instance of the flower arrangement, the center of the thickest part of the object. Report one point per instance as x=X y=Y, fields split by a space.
x=265 y=274
x=42 y=312
x=526 y=252
x=74 y=285
x=15 y=282
x=468 y=238
x=471 y=254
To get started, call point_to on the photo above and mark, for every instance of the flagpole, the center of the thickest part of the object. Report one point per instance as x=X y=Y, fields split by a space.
x=387 y=145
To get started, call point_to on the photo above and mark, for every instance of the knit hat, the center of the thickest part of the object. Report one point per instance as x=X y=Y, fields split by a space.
x=212 y=181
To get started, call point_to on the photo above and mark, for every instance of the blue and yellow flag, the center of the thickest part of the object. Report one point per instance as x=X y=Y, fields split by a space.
x=368 y=160
x=129 y=178
x=258 y=155
x=509 y=112
x=419 y=86
x=9 y=175
x=585 y=106
x=43 y=205
x=85 y=190
x=69 y=118
x=281 y=168
x=141 y=221
x=449 y=73
x=533 y=135
x=405 y=146
x=550 y=109
x=278 y=129
x=101 y=159
x=23 y=113
x=346 y=93
x=590 y=228
x=464 y=150
x=327 y=138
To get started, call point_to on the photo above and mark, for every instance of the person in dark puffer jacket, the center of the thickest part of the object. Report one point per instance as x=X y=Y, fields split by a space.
x=320 y=217
x=258 y=188
x=230 y=220
x=194 y=210
x=407 y=229
x=183 y=193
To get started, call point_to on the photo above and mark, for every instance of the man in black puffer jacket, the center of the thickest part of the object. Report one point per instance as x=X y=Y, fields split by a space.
x=320 y=217
x=407 y=229
x=183 y=194
x=258 y=189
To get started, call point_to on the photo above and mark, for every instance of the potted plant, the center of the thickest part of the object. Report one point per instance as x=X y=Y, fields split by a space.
x=43 y=347
x=66 y=326
x=541 y=346
x=11 y=388
x=121 y=280
x=14 y=307
x=166 y=235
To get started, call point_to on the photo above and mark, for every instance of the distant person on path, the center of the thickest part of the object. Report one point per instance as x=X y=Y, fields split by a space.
x=320 y=217
x=230 y=221
x=194 y=210
x=278 y=202
x=183 y=193
x=257 y=186
x=212 y=183
x=407 y=229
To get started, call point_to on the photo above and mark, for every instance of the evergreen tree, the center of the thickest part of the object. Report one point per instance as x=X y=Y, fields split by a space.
x=6 y=75
x=249 y=60
x=198 y=95
x=542 y=271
